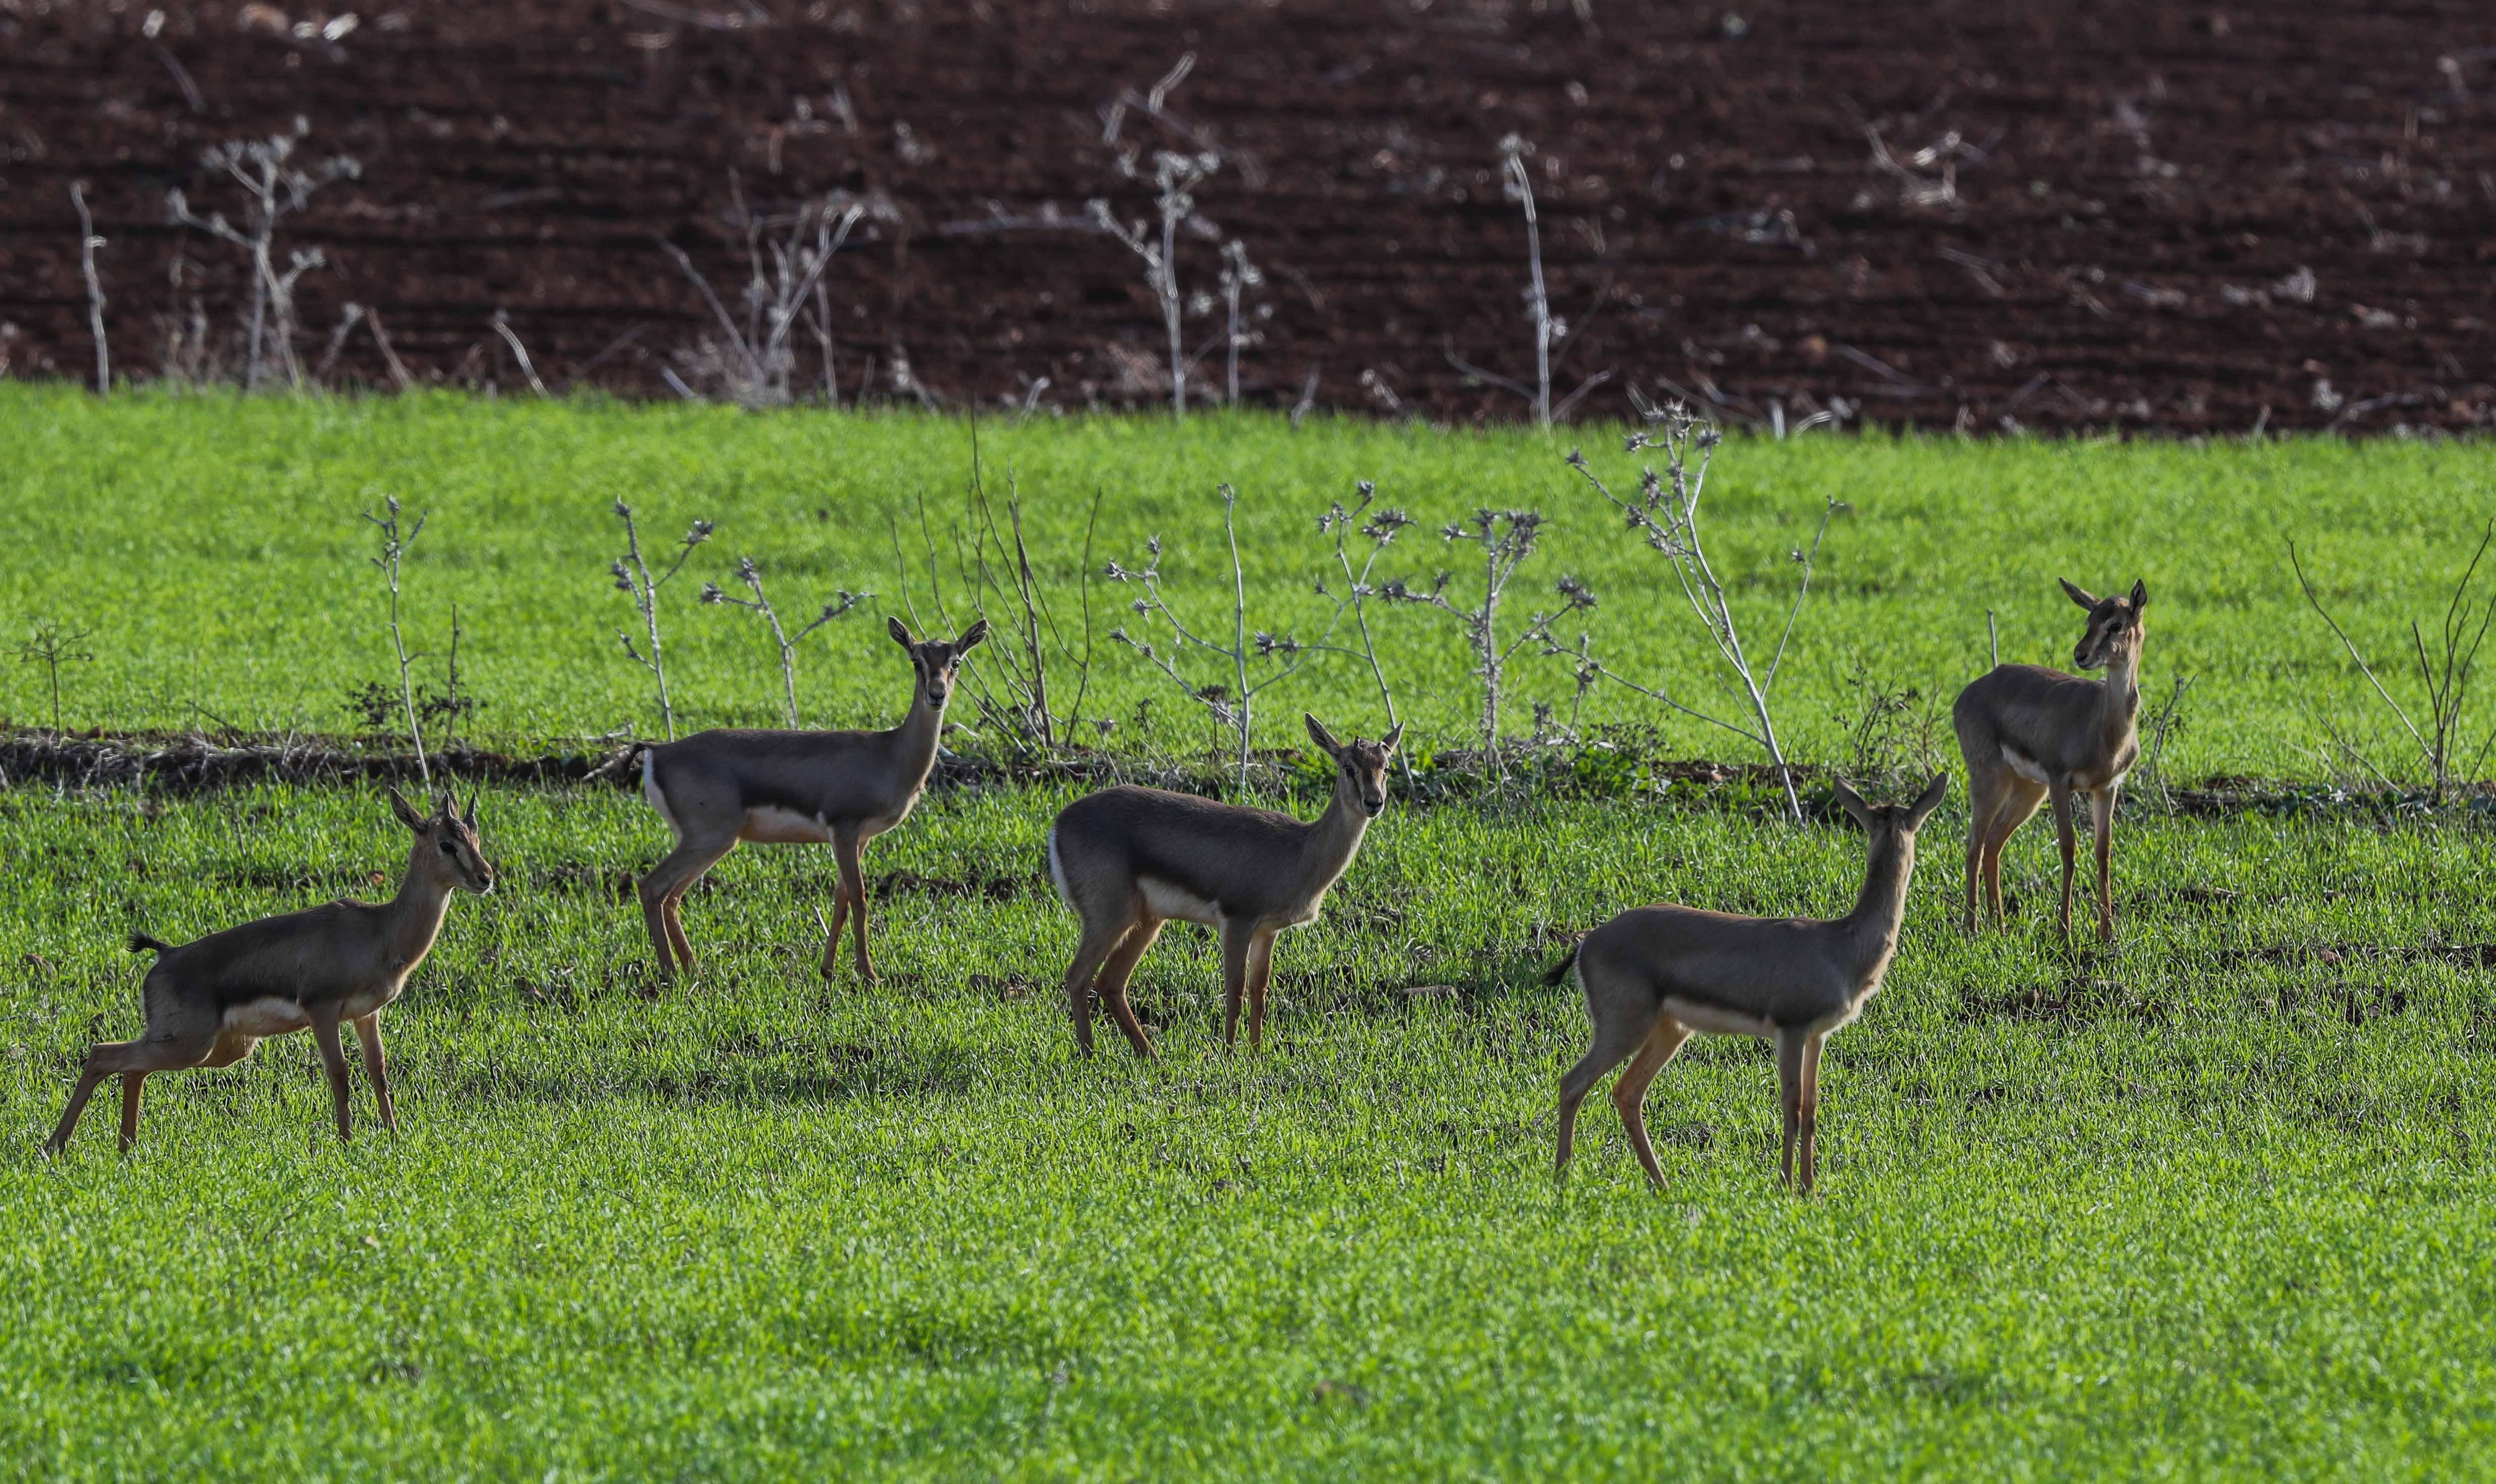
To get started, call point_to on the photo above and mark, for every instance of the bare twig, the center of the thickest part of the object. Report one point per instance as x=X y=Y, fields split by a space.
x=394 y=547
x=751 y=575
x=633 y=577
x=88 y=242
x=520 y=352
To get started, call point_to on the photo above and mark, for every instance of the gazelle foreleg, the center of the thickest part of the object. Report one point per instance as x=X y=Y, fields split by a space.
x=845 y=850
x=1236 y=936
x=2065 y=836
x=333 y=1060
x=1629 y=1093
x=1810 y=1099
x=368 y=1037
x=1261 y=968
x=1790 y=1057
x=2102 y=816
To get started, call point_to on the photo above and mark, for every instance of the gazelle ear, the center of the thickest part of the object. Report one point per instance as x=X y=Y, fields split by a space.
x=1388 y=741
x=899 y=631
x=1323 y=738
x=1853 y=804
x=2079 y=594
x=405 y=811
x=2139 y=595
x=473 y=796
x=977 y=634
x=1934 y=793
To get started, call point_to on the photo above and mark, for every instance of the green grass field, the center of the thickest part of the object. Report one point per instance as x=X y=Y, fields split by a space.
x=2213 y=1202
x=214 y=550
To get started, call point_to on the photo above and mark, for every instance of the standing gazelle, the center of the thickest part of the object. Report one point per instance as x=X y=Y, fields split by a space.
x=1127 y=860
x=795 y=787
x=2030 y=734
x=1654 y=975
x=212 y=999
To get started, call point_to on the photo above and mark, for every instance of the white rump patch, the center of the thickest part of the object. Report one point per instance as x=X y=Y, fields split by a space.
x=657 y=797
x=2024 y=765
x=772 y=825
x=1163 y=900
x=1057 y=873
x=267 y=1015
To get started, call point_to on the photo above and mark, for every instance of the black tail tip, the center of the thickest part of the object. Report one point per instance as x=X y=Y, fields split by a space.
x=1560 y=971
x=140 y=943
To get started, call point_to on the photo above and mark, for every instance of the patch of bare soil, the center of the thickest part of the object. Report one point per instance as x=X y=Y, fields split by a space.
x=2125 y=213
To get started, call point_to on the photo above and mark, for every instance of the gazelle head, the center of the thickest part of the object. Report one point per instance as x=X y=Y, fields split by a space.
x=936 y=661
x=1893 y=825
x=1359 y=767
x=2114 y=625
x=447 y=853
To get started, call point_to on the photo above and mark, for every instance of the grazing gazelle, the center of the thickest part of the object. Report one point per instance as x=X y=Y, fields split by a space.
x=795 y=787
x=2030 y=734
x=1127 y=860
x=208 y=1002
x=1654 y=975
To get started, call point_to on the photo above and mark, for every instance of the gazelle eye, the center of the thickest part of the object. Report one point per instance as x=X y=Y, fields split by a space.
x=448 y=849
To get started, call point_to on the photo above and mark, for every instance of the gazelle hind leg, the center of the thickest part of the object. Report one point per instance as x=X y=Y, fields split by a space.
x=1113 y=982
x=1984 y=798
x=2020 y=801
x=1100 y=940
x=188 y=1045
x=1621 y=1022
x=665 y=887
x=1629 y=1093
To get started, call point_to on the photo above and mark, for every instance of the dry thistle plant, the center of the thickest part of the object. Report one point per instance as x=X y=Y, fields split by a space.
x=1174 y=176
x=1666 y=512
x=785 y=256
x=747 y=572
x=2443 y=680
x=1232 y=706
x=50 y=644
x=394 y=545
x=1380 y=529
x=274 y=187
x=996 y=577
x=632 y=576
x=1516 y=184
x=1503 y=539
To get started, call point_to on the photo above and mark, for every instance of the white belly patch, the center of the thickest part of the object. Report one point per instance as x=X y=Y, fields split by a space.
x=1163 y=900
x=2024 y=765
x=1715 y=1019
x=267 y=1015
x=772 y=825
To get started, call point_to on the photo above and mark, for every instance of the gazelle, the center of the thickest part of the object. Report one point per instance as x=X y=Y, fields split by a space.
x=208 y=1002
x=2030 y=734
x=795 y=787
x=1127 y=860
x=1655 y=975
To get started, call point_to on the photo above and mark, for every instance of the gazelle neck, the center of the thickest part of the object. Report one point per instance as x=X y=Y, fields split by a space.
x=2122 y=699
x=915 y=739
x=414 y=916
x=1873 y=924
x=1334 y=837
